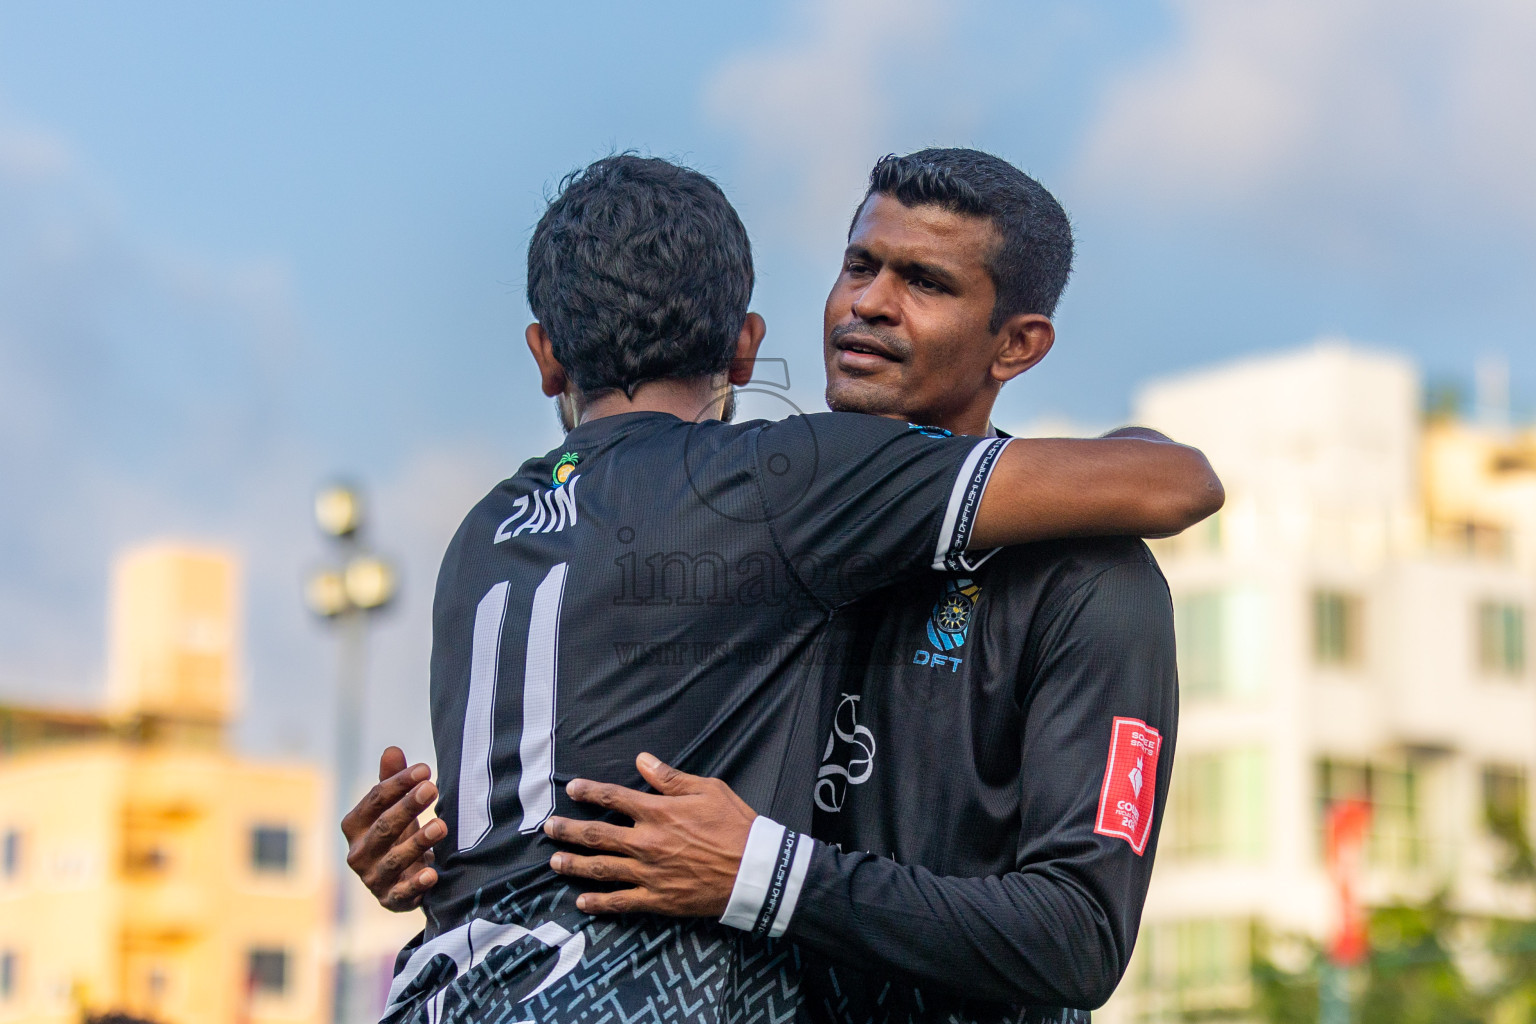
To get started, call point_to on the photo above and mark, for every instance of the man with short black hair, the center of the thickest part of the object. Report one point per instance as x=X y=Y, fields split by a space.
x=1024 y=244
x=639 y=271
x=664 y=581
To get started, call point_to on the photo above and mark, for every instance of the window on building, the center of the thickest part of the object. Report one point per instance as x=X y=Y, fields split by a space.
x=10 y=853
x=1506 y=802
x=1197 y=968
x=1480 y=540
x=1504 y=794
x=1204 y=537
x=269 y=972
x=1210 y=533
x=271 y=848
x=157 y=982
x=1501 y=638
x=1392 y=791
x=1215 y=807
x=1199 y=620
x=145 y=852
x=1338 y=628
x=8 y=975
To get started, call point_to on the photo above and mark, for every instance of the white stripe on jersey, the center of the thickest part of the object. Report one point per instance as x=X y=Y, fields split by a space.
x=948 y=543
x=536 y=749
x=479 y=719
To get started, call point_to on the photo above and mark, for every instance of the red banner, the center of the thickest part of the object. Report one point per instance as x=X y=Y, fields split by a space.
x=1348 y=825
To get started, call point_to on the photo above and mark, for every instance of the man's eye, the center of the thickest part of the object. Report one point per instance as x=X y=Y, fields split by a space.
x=855 y=267
x=925 y=285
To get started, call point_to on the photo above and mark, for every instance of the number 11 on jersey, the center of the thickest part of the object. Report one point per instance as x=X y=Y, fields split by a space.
x=536 y=749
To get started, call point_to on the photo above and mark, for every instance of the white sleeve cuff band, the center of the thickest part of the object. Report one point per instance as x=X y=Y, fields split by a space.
x=768 y=882
x=964 y=502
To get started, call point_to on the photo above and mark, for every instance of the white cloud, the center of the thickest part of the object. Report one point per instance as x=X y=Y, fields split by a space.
x=147 y=391
x=815 y=111
x=1355 y=118
x=32 y=155
x=97 y=331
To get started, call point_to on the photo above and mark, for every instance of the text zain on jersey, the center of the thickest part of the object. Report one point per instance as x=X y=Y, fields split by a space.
x=553 y=511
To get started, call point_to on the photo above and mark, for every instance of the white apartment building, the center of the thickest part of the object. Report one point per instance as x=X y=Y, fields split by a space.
x=1352 y=625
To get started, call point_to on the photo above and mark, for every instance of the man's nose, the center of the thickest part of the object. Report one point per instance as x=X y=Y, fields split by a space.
x=877 y=302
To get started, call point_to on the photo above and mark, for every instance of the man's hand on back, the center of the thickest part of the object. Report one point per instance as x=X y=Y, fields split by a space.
x=387 y=847
x=681 y=856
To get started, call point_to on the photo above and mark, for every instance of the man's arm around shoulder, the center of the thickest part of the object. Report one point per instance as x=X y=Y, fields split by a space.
x=1134 y=482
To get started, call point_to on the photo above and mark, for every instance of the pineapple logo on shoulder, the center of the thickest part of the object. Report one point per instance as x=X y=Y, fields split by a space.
x=545 y=511
x=564 y=468
x=949 y=624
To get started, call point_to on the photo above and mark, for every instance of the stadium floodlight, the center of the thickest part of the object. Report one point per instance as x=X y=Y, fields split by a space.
x=369 y=582
x=326 y=593
x=346 y=593
x=339 y=510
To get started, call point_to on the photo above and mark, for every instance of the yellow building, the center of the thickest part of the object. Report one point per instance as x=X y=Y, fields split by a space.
x=144 y=866
x=1480 y=488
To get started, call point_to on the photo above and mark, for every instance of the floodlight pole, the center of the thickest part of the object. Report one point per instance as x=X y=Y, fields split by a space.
x=352 y=632
x=346 y=594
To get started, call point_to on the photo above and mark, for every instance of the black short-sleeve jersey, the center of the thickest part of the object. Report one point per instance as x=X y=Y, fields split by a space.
x=660 y=585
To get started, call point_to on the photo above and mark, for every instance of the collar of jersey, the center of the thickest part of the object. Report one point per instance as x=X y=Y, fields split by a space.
x=607 y=426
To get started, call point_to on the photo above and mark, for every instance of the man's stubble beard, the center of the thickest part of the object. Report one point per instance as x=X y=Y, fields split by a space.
x=874 y=400
x=565 y=411
x=867 y=405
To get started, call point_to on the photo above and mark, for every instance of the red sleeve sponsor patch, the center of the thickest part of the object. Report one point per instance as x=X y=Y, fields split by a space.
x=1130 y=783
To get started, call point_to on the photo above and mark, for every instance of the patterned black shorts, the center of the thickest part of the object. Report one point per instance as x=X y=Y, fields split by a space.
x=625 y=970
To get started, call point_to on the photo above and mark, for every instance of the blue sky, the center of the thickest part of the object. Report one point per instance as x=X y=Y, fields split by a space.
x=241 y=250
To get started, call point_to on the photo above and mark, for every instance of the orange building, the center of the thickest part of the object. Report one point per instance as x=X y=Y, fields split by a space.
x=144 y=866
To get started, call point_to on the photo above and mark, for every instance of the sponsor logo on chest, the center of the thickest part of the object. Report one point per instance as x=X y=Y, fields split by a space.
x=849 y=759
x=948 y=625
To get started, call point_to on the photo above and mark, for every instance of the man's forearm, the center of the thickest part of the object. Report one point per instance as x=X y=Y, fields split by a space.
x=1129 y=485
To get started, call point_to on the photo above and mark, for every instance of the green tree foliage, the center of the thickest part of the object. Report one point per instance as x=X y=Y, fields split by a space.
x=1414 y=974
x=1284 y=997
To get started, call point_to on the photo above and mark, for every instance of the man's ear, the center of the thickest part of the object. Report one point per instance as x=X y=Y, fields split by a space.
x=753 y=328
x=1026 y=337
x=551 y=373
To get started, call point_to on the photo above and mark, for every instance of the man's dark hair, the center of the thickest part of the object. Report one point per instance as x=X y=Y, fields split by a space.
x=639 y=270
x=1033 y=258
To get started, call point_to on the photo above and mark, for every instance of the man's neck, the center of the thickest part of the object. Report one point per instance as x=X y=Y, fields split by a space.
x=703 y=398
x=976 y=423
x=694 y=400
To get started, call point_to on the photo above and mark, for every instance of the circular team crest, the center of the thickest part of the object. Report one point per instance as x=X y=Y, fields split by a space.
x=564 y=467
x=950 y=621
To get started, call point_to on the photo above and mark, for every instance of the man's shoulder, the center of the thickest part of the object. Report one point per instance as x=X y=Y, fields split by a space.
x=1116 y=576
x=1067 y=563
x=854 y=428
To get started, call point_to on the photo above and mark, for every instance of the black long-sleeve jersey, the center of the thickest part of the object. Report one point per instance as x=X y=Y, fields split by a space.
x=656 y=585
x=990 y=793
